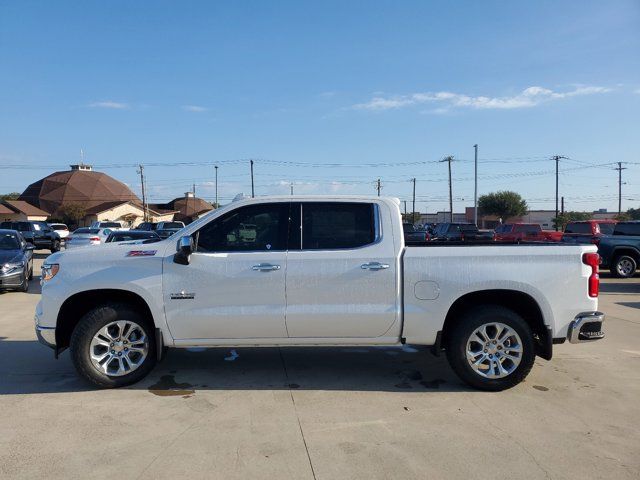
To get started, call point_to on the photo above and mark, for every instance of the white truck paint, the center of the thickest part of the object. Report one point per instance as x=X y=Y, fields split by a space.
x=381 y=293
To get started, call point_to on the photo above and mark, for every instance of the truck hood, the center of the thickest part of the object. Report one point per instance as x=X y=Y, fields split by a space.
x=107 y=253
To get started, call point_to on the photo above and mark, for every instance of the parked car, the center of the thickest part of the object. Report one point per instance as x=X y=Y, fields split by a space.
x=460 y=232
x=16 y=261
x=147 y=226
x=412 y=234
x=620 y=251
x=38 y=234
x=166 y=229
x=132 y=235
x=85 y=236
x=109 y=225
x=588 y=231
x=525 y=232
x=61 y=229
x=318 y=271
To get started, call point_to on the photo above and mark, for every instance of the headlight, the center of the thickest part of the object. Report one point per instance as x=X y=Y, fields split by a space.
x=49 y=270
x=10 y=267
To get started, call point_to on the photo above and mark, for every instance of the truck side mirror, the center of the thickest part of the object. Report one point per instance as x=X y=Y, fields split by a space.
x=184 y=250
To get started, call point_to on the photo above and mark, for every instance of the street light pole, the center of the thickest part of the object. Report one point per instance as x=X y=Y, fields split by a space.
x=475 y=187
x=216 y=186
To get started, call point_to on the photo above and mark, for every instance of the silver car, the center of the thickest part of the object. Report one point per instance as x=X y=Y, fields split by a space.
x=83 y=237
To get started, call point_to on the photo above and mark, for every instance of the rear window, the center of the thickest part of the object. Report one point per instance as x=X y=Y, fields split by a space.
x=504 y=229
x=627 y=229
x=172 y=225
x=528 y=228
x=91 y=231
x=329 y=225
x=578 y=228
x=606 y=228
x=58 y=226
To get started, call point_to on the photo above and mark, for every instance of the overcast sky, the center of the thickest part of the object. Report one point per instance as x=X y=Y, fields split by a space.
x=327 y=95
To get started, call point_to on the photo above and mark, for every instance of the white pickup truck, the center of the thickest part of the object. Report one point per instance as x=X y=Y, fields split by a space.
x=316 y=271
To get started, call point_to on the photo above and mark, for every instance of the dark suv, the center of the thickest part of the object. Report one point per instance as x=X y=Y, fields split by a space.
x=39 y=234
x=460 y=232
x=620 y=251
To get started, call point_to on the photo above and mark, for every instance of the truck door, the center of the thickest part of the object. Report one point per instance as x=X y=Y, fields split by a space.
x=342 y=272
x=234 y=286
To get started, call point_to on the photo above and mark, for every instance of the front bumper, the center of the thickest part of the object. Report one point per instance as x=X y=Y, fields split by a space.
x=46 y=335
x=586 y=327
x=12 y=280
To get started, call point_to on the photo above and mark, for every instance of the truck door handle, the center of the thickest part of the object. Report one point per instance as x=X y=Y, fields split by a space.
x=374 y=266
x=265 y=267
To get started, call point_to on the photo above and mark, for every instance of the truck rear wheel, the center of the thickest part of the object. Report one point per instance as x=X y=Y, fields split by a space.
x=624 y=266
x=113 y=346
x=55 y=246
x=491 y=348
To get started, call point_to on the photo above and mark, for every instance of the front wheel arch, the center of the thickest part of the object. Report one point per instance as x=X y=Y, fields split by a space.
x=79 y=304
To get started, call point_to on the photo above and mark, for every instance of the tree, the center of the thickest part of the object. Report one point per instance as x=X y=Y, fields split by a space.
x=9 y=196
x=622 y=217
x=567 y=217
x=72 y=213
x=503 y=204
x=634 y=213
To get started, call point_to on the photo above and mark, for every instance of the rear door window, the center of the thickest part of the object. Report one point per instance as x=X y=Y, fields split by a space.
x=337 y=225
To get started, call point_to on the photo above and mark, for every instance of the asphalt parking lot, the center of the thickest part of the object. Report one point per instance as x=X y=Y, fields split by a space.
x=329 y=413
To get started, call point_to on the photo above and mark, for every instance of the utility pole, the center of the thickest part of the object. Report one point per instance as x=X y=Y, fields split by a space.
x=144 y=198
x=620 y=168
x=216 y=167
x=449 y=159
x=378 y=187
x=557 y=159
x=413 y=211
x=291 y=184
x=405 y=209
x=252 y=190
x=475 y=187
x=562 y=205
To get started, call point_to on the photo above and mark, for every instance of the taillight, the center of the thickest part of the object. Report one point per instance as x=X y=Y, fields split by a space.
x=94 y=239
x=593 y=260
x=461 y=237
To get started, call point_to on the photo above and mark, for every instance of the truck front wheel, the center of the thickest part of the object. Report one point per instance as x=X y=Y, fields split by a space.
x=491 y=348
x=113 y=346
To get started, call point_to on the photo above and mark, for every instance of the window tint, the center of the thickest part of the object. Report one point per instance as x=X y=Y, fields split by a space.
x=468 y=227
x=24 y=227
x=627 y=229
x=172 y=225
x=329 y=225
x=250 y=228
x=578 y=228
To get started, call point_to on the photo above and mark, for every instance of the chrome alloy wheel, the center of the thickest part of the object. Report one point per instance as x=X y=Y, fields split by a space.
x=624 y=267
x=119 y=348
x=494 y=350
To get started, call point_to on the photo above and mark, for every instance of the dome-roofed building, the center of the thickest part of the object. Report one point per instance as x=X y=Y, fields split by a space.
x=187 y=208
x=80 y=185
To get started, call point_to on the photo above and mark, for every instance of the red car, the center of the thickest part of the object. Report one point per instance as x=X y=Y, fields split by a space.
x=525 y=232
x=587 y=231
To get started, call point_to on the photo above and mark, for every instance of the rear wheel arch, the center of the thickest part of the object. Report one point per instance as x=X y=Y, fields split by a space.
x=519 y=302
x=632 y=252
x=79 y=304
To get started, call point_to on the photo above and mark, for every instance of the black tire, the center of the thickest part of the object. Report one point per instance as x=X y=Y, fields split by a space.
x=456 y=346
x=55 y=246
x=87 y=328
x=25 y=285
x=627 y=261
x=31 y=272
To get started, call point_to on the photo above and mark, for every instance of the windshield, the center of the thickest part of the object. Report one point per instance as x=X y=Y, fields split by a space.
x=109 y=225
x=9 y=241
